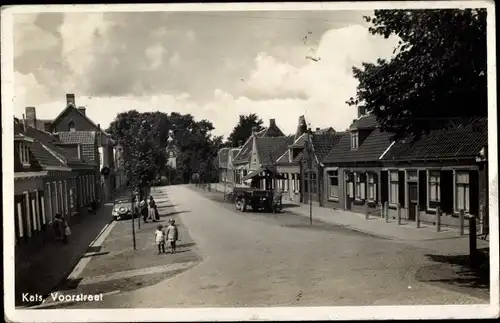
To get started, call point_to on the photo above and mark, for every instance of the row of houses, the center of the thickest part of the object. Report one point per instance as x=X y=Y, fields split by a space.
x=361 y=168
x=61 y=166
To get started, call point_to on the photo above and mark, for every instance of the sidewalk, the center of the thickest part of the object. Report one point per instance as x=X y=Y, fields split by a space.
x=40 y=272
x=114 y=266
x=375 y=225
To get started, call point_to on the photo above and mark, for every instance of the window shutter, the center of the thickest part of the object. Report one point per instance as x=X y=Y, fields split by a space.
x=446 y=187
x=384 y=186
x=474 y=192
x=401 y=188
x=422 y=189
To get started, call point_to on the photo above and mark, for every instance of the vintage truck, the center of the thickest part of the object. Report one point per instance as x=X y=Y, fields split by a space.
x=257 y=199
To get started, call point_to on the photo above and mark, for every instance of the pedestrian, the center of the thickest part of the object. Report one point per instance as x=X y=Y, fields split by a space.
x=58 y=227
x=151 y=211
x=67 y=231
x=172 y=235
x=144 y=210
x=160 y=239
x=157 y=214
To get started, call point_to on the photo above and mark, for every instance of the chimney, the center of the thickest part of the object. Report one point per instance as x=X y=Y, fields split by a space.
x=318 y=129
x=82 y=110
x=272 y=123
x=70 y=99
x=361 y=111
x=254 y=130
x=48 y=127
x=301 y=128
x=31 y=116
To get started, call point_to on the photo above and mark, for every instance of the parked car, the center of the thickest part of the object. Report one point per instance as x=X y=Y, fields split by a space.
x=123 y=209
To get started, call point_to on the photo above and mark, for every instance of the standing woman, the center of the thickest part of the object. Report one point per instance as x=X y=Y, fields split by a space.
x=152 y=209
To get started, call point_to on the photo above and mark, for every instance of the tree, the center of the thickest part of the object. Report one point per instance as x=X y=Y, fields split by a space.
x=144 y=137
x=243 y=129
x=437 y=75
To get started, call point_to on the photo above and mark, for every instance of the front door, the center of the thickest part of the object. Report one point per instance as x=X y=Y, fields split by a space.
x=413 y=199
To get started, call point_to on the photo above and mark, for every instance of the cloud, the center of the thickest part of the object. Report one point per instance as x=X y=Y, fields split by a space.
x=235 y=63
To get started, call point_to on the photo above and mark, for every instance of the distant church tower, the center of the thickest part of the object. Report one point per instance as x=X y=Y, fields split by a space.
x=172 y=151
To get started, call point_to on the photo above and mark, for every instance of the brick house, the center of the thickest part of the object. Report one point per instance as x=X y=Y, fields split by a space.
x=445 y=168
x=49 y=178
x=352 y=169
x=73 y=127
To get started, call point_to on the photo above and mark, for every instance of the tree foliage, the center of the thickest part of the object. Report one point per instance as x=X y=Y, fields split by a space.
x=437 y=75
x=144 y=138
x=243 y=129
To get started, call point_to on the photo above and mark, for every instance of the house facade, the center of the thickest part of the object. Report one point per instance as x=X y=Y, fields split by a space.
x=73 y=127
x=445 y=169
x=50 y=178
x=352 y=169
x=246 y=159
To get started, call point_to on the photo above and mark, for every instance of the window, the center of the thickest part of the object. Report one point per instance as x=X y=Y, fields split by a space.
x=354 y=140
x=462 y=191
x=360 y=186
x=412 y=176
x=333 y=184
x=71 y=126
x=393 y=187
x=434 y=185
x=372 y=186
x=24 y=153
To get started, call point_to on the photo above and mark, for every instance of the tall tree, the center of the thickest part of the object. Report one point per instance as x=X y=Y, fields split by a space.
x=243 y=129
x=437 y=75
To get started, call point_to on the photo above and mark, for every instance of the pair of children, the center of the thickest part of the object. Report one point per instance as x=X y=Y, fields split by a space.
x=172 y=235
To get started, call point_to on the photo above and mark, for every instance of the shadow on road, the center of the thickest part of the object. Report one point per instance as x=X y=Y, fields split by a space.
x=456 y=272
x=175 y=213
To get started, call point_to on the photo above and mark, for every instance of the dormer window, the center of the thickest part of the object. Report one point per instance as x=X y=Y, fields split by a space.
x=71 y=126
x=354 y=140
x=24 y=154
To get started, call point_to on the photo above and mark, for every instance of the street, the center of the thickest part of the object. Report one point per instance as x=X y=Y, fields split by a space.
x=234 y=259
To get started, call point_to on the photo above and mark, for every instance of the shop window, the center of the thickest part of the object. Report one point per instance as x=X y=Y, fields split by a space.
x=434 y=186
x=372 y=187
x=333 y=184
x=462 y=193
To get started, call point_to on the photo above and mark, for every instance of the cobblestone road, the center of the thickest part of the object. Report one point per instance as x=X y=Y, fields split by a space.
x=278 y=260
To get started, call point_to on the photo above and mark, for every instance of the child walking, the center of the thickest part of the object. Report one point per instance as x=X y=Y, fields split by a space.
x=172 y=235
x=160 y=239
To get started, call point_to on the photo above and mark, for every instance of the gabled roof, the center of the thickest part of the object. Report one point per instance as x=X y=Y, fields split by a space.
x=323 y=143
x=274 y=131
x=72 y=107
x=285 y=158
x=223 y=157
x=245 y=152
x=270 y=149
x=370 y=149
x=462 y=140
x=77 y=137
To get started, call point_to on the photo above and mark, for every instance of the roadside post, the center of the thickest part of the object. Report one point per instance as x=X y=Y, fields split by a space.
x=472 y=241
x=417 y=216
x=399 y=214
x=462 y=222
x=438 y=219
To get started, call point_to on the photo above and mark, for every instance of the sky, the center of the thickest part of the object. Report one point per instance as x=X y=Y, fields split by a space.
x=213 y=65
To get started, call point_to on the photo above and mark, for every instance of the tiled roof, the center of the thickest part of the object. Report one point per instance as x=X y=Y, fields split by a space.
x=465 y=139
x=223 y=157
x=274 y=131
x=44 y=156
x=271 y=148
x=323 y=143
x=370 y=149
x=77 y=137
x=245 y=153
x=50 y=141
x=365 y=122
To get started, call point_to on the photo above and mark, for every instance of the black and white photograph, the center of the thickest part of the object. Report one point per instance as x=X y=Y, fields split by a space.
x=250 y=161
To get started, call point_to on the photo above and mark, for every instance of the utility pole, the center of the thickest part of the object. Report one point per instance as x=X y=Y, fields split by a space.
x=309 y=162
x=133 y=232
